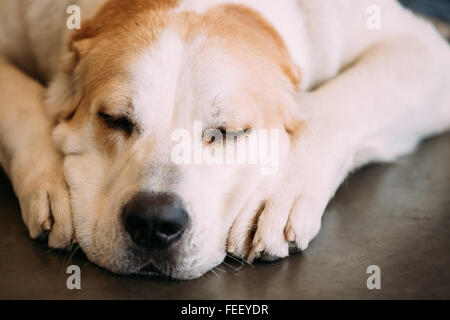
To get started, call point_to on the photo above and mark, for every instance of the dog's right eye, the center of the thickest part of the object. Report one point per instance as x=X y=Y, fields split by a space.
x=121 y=123
x=230 y=135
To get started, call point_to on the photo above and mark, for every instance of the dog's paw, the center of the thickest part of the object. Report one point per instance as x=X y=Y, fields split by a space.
x=45 y=204
x=272 y=229
x=287 y=215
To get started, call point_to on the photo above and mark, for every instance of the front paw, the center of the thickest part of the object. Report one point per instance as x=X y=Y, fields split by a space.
x=271 y=229
x=304 y=222
x=288 y=215
x=45 y=204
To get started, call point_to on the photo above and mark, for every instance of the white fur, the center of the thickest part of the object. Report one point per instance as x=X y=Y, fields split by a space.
x=394 y=92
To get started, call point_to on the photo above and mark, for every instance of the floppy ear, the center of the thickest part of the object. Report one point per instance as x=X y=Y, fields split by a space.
x=63 y=96
x=292 y=118
x=77 y=50
x=292 y=71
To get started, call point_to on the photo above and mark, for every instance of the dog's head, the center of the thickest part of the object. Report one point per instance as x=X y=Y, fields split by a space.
x=138 y=73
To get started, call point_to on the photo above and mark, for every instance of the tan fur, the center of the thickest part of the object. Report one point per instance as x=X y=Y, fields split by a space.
x=244 y=31
x=168 y=64
x=101 y=50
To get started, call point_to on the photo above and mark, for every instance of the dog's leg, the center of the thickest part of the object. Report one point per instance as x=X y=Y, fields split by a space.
x=396 y=94
x=30 y=160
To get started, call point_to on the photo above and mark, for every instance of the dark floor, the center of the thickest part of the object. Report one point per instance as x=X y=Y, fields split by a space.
x=439 y=9
x=394 y=216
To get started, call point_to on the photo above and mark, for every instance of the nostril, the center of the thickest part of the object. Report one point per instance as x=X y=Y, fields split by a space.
x=169 y=226
x=138 y=228
x=169 y=229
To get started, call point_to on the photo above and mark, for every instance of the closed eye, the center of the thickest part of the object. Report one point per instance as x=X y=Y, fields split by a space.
x=230 y=135
x=117 y=123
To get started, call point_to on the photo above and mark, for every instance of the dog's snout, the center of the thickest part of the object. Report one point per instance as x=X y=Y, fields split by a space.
x=154 y=221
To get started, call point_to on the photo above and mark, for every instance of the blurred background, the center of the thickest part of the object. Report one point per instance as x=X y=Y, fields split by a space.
x=436 y=10
x=439 y=9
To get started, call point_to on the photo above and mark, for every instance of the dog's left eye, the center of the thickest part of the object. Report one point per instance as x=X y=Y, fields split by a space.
x=227 y=135
x=121 y=123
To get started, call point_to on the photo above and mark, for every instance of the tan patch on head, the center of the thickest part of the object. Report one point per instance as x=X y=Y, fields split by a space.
x=117 y=17
x=245 y=31
x=248 y=36
x=101 y=51
x=122 y=28
x=258 y=33
x=130 y=23
x=135 y=24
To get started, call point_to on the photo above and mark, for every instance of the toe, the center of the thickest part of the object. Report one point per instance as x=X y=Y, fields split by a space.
x=35 y=212
x=42 y=238
x=62 y=230
x=243 y=229
x=304 y=222
x=269 y=238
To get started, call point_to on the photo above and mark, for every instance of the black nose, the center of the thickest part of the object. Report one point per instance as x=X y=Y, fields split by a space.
x=154 y=221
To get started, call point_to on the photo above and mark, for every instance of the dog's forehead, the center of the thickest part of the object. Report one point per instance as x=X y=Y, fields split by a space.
x=177 y=80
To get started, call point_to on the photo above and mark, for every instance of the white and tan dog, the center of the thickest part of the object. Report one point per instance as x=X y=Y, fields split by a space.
x=340 y=93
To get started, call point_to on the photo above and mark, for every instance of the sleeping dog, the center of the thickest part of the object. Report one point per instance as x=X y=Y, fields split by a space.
x=344 y=83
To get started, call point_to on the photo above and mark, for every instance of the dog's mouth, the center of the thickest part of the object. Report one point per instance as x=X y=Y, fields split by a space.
x=150 y=270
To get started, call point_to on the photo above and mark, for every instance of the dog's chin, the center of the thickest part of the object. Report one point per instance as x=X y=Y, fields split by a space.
x=132 y=260
x=153 y=270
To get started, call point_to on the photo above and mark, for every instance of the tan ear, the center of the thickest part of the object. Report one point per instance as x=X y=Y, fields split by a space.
x=62 y=95
x=292 y=71
x=62 y=98
x=292 y=119
x=77 y=50
x=293 y=125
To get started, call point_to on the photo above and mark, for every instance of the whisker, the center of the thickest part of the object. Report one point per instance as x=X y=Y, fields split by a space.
x=69 y=249
x=232 y=267
x=72 y=253
x=239 y=259
x=215 y=273
x=219 y=269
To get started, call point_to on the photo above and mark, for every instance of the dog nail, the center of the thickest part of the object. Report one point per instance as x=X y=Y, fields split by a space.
x=47 y=224
x=251 y=257
x=259 y=247
x=290 y=235
x=42 y=238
